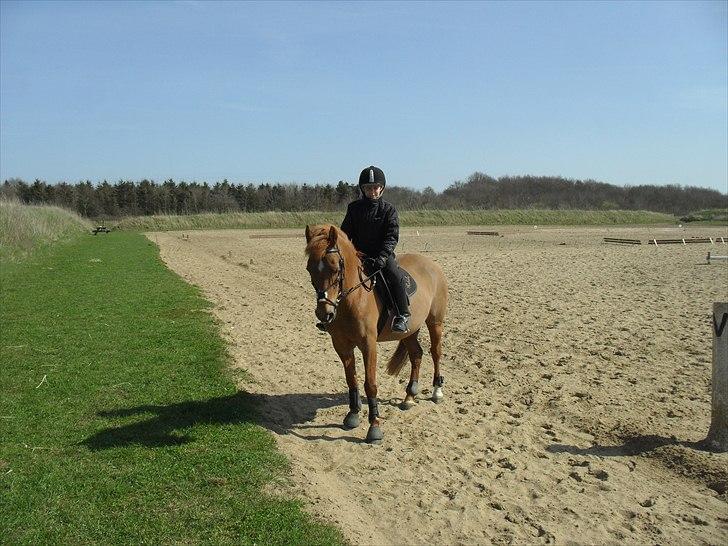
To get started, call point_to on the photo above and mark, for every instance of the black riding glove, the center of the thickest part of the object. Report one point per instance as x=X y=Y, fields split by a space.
x=373 y=264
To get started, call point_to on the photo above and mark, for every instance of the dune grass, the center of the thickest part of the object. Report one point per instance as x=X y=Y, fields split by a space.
x=25 y=228
x=533 y=217
x=119 y=421
x=711 y=217
x=262 y=220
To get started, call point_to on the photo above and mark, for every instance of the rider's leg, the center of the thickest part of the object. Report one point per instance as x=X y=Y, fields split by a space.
x=399 y=295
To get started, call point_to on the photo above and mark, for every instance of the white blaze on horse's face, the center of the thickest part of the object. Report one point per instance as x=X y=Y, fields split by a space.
x=324 y=274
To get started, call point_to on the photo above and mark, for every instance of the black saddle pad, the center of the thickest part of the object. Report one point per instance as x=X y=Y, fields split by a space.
x=410 y=287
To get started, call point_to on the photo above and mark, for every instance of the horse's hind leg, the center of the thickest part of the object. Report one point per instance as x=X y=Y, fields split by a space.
x=415 y=354
x=435 y=329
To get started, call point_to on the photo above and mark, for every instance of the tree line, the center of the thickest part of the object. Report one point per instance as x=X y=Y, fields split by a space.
x=478 y=191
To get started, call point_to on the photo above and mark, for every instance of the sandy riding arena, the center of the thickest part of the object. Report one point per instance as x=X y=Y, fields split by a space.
x=577 y=387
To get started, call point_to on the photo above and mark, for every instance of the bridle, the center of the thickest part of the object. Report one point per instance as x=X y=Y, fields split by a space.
x=322 y=295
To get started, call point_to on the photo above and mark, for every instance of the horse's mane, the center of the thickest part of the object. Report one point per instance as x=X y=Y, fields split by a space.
x=320 y=241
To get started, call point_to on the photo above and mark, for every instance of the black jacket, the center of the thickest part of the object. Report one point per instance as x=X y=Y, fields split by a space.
x=373 y=226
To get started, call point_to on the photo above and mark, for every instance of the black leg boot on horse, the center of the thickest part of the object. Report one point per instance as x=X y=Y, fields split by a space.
x=352 y=418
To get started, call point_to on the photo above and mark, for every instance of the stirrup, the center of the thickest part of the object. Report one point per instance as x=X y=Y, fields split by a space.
x=403 y=320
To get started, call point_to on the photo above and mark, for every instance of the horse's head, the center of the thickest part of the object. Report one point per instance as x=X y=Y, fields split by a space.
x=326 y=268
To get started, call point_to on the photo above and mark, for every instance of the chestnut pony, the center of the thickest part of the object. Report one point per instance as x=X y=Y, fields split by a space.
x=349 y=311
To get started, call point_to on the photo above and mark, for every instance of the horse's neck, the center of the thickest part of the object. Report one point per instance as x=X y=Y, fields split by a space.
x=351 y=269
x=352 y=278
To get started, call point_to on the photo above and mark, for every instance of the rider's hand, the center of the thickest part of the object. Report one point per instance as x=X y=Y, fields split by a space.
x=380 y=262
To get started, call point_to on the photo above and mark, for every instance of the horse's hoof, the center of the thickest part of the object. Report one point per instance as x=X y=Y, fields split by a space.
x=408 y=403
x=437 y=395
x=351 y=420
x=374 y=435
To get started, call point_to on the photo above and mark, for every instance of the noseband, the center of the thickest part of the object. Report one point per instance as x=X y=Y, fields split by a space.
x=322 y=296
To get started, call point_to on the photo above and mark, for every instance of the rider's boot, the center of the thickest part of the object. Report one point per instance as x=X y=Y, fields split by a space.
x=401 y=323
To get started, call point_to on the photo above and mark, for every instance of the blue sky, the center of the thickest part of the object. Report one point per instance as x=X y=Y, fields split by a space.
x=621 y=92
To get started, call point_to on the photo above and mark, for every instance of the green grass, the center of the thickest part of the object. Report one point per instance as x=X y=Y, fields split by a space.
x=532 y=217
x=118 y=420
x=417 y=218
x=26 y=228
x=231 y=220
x=708 y=217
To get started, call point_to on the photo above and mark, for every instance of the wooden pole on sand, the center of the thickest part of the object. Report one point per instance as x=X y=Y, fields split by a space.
x=718 y=435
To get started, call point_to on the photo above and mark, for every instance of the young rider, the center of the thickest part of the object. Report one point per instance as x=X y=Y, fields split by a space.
x=372 y=225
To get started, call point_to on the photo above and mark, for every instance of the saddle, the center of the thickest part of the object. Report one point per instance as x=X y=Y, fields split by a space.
x=383 y=292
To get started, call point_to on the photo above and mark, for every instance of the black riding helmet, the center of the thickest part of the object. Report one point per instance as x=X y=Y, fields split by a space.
x=372 y=175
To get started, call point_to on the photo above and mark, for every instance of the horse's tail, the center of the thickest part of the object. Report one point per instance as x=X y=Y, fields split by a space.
x=396 y=363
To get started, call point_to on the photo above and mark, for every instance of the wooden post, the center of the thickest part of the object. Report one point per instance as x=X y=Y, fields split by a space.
x=718 y=435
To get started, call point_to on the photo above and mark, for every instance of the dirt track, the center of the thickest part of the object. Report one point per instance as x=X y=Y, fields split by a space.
x=577 y=383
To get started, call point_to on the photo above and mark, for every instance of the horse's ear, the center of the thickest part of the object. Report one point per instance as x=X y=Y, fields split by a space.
x=308 y=234
x=332 y=236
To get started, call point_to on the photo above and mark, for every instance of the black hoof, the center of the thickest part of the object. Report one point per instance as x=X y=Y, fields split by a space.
x=374 y=435
x=351 y=420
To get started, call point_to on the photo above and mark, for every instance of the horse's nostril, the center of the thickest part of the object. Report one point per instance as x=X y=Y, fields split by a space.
x=329 y=316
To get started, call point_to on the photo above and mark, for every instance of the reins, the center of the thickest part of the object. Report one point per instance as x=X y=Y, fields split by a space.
x=322 y=294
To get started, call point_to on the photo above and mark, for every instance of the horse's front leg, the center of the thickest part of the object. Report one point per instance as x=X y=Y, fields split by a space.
x=369 y=352
x=346 y=354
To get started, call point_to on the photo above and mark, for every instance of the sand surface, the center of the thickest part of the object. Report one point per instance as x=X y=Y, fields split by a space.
x=577 y=387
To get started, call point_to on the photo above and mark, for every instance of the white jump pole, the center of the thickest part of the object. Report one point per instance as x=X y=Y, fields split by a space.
x=718 y=434
x=711 y=257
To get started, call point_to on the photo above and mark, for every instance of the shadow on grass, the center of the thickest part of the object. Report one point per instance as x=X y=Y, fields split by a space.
x=167 y=425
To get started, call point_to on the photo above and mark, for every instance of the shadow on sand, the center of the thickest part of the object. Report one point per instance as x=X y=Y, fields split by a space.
x=693 y=462
x=169 y=425
x=635 y=445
